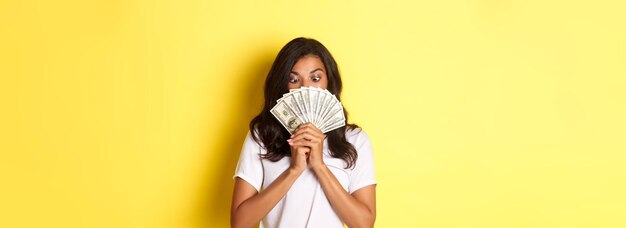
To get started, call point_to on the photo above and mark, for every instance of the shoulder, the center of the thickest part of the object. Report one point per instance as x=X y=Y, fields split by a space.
x=251 y=143
x=357 y=137
x=249 y=137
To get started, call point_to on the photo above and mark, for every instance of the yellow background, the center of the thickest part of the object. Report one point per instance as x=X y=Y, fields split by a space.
x=482 y=113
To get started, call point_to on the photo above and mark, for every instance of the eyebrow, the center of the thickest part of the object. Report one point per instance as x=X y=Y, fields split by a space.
x=313 y=71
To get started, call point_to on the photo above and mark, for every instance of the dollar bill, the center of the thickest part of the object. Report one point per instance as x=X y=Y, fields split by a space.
x=309 y=105
x=286 y=116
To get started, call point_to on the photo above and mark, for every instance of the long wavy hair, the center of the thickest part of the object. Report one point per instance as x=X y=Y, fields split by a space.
x=268 y=132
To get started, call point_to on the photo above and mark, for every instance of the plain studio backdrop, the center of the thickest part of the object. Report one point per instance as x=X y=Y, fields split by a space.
x=482 y=113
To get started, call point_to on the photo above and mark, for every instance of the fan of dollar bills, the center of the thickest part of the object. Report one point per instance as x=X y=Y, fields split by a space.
x=309 y=105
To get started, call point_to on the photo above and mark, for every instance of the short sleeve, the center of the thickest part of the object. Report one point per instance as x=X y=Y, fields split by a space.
x=249 y=168
x=363 y=173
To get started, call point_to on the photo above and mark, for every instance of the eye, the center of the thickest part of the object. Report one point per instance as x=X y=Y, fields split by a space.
x=316 y=78
x=294 y=80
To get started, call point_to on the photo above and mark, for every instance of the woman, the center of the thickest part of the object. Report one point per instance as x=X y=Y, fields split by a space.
x=307 y=179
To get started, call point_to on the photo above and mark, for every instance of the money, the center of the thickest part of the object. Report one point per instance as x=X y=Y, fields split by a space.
x=309 y=105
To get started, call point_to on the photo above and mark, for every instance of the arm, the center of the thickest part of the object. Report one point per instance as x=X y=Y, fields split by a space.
x=357 y=209
x=249 y=206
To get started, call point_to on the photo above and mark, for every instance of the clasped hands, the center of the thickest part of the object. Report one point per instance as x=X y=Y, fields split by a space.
x=307 y=143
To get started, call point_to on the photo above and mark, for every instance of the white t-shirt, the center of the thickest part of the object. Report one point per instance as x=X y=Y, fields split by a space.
x=305 y=204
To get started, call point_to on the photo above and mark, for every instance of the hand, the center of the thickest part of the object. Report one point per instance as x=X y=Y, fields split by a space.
x=309 y=136
x=299 y=155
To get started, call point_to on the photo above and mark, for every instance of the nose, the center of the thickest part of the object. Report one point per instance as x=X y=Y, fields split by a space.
x=307 y=82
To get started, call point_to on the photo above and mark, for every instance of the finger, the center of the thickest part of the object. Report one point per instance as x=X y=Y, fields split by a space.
x=307 y=133
x=299 y=149
x=303 y=150
x=308 y=126
x=310 y=130
x=303 y=143
x=306 y=136
x=300 y=153
x=304 y=126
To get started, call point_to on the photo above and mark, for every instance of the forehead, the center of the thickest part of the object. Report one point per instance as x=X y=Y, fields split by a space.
x=308 y=62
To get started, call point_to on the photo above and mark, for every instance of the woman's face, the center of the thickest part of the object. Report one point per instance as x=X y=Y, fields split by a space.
x=308 y=71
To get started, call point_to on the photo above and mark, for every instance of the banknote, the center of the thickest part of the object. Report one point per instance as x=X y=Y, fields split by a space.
x=309 y=105
x=286 y=116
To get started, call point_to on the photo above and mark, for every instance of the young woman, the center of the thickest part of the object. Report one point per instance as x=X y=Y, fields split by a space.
x=308 y=179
